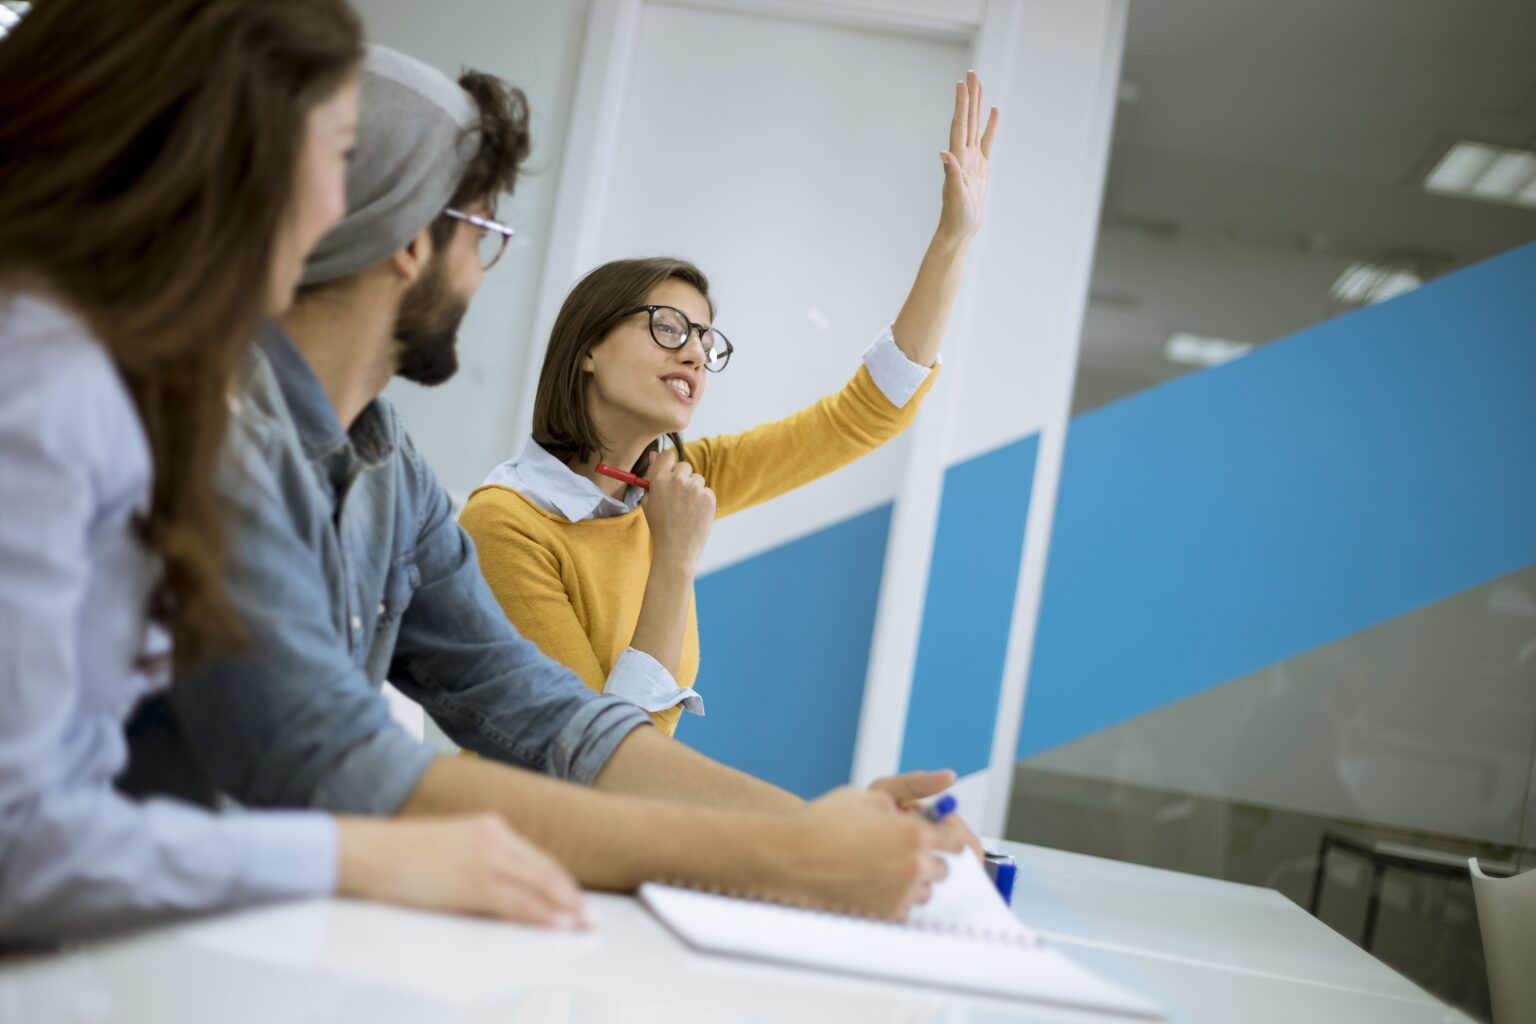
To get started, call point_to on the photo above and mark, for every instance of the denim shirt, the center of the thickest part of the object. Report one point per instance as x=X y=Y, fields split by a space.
x=348 y=568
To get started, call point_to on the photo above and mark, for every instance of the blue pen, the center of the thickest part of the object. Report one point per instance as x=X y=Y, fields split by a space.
x=941 y=808
x=1002 y=870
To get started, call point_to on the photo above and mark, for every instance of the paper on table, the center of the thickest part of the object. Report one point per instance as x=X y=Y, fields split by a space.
x=964 y=938
x=967 y=901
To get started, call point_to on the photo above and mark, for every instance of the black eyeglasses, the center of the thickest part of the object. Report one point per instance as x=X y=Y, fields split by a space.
x=494 y=235
x=670 y=328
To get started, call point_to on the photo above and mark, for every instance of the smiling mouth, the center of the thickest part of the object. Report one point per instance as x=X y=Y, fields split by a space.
x=681 y=386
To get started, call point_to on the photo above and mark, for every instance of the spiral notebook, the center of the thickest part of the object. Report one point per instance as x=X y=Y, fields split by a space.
x=964 y=938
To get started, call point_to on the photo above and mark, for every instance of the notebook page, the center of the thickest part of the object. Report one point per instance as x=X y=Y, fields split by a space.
x=851 y=945
x=967 y=901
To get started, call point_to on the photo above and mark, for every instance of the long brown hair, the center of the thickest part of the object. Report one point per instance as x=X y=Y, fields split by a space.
x=147 y=156
x=562 y=424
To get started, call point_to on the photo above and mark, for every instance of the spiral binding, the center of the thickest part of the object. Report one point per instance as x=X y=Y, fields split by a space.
x=992 y=936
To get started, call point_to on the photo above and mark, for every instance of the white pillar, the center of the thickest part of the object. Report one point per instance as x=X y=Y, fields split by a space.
x=1053 y=68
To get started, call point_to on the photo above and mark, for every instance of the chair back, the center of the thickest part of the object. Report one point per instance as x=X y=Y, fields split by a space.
x=1506 y=915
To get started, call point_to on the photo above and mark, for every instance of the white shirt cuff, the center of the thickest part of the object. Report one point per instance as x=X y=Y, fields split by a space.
x=642 y=680
x=897 y=377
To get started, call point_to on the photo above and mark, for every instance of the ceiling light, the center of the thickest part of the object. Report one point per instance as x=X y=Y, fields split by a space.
x=1199 y=350
x=1476 y=170
x=1365 y=284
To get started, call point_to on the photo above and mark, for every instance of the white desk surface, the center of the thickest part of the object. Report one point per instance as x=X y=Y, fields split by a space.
x=1089 y=901
x=339 y=962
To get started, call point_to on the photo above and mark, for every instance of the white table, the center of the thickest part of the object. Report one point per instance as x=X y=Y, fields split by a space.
x=338 y=961
x=1206 y=932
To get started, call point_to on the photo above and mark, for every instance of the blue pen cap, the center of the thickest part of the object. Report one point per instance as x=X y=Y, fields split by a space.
x=1002 y=870
x=943 y=807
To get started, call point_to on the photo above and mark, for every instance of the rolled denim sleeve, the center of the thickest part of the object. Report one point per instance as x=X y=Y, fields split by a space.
x=293 y=722
x=489 y=688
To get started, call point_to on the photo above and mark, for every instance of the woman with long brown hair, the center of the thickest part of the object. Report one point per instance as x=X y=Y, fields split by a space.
x=596 y=565
x=165 y=166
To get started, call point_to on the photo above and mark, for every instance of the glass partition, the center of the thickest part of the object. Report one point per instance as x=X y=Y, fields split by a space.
x=1276 y=167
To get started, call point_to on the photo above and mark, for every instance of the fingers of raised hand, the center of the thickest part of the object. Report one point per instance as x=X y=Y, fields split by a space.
x=972 y=108
x=959 y=123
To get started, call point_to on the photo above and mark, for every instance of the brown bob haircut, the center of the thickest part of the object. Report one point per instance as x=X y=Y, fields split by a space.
x=147 y=158
x=562 y=424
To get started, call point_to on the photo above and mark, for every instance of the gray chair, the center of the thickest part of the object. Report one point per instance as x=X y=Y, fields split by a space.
x=1506 y=914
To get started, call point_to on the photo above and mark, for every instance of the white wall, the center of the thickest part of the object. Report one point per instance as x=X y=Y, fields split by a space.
x=808 y=199
x=812 y=231
x=1053 y=66
x=466 y=426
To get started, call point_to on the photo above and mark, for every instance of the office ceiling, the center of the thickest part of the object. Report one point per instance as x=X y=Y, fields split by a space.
x=1262 y=147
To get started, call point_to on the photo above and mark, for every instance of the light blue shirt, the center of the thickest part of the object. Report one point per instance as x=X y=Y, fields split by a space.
x=557 y=489
x=75 y=855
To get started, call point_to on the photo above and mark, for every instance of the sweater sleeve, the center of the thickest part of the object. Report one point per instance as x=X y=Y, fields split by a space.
x=749 y=468
x=528 y=578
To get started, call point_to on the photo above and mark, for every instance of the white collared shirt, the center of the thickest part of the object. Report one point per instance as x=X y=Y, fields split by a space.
x=557 y=489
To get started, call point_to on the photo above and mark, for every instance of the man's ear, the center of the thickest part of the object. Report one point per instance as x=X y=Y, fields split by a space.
x=410 y=261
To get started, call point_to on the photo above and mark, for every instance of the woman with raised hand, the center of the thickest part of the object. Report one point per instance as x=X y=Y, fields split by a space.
x=599 y=570
x=165 y=166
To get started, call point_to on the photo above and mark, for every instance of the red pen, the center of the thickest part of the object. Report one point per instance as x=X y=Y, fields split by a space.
x=619 y=474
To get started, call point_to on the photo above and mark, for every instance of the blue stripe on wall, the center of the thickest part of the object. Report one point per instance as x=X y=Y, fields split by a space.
x=784 y=645
x=968 y=610
x=1325 y=483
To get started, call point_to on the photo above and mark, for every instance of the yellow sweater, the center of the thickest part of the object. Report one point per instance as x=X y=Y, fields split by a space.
x=575 y=589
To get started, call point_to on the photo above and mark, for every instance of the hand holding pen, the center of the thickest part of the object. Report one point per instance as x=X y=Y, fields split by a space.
x=910 y=789
x=678 y=508
x=940 y=809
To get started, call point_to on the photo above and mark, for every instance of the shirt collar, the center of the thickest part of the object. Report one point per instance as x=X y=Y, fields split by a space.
x=554 y=486
x=320 y=431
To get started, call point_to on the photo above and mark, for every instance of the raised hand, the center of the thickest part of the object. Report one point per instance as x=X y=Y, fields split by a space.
x=966 y=162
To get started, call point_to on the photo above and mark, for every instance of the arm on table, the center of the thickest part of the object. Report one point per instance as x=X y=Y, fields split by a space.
x=850 y=849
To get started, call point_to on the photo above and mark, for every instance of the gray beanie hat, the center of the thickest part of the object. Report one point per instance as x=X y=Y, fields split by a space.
x=415 y=137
